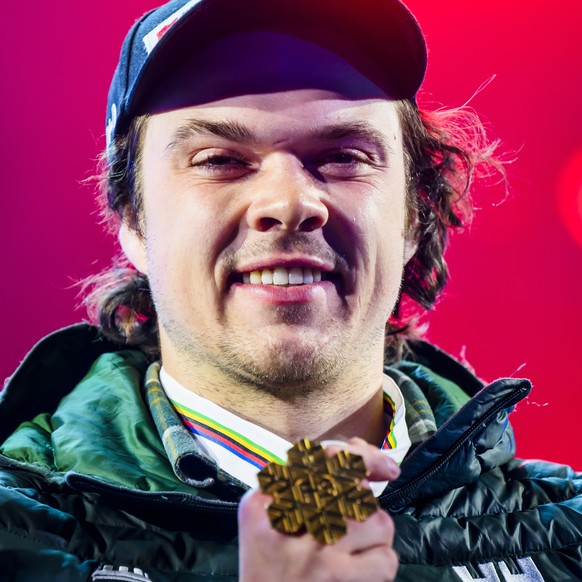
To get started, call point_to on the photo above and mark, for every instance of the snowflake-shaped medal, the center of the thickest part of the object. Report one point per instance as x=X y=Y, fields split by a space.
x=316 y=492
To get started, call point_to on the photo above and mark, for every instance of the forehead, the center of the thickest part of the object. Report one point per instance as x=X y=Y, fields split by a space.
x=260 y=63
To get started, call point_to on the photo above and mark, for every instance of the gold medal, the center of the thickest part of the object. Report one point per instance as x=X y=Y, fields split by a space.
x=317 y=493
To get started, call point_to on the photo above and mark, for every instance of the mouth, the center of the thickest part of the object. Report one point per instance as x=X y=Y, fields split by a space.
x=281 y=276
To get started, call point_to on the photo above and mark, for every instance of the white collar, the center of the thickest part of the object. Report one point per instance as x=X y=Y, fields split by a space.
x=241 y=448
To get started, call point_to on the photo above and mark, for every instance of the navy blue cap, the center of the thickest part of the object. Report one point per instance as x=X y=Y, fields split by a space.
x=385 y=31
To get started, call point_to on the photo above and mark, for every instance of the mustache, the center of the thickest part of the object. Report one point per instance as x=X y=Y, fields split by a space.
x=298 y=243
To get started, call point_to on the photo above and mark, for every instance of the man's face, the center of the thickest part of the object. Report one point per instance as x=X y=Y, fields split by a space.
x=273 y=221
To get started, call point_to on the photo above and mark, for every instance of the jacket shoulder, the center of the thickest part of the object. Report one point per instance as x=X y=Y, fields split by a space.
x=56 y=364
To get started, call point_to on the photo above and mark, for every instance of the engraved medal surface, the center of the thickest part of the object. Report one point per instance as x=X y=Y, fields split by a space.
x=317 y=493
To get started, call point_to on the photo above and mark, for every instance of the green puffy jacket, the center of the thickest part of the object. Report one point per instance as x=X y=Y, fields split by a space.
x=87 y=491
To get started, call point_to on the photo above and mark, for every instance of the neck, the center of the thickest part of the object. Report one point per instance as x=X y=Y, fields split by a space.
x=336 y=416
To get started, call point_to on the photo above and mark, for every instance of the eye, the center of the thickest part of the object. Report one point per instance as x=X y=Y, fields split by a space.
x=220 y=163
x=343 y=163
x=343 y=157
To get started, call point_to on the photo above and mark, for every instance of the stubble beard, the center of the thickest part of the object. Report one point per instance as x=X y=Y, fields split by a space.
x=285 y=370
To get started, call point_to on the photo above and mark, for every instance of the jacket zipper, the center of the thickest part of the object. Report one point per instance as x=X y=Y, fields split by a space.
x=401 y=491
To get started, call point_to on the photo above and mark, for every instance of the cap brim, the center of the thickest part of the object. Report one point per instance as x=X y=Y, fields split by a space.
x=384 y=31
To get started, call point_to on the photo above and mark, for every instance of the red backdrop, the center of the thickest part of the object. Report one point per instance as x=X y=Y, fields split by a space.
x=513 y=305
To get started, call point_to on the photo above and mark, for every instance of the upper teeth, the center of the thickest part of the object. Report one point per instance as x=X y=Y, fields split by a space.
x=282 y=276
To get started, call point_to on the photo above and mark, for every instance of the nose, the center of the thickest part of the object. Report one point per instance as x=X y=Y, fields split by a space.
x=284 y=196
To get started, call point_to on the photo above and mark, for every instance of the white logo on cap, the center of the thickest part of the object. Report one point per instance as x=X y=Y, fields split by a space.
x=152 y=38
x=111 y=122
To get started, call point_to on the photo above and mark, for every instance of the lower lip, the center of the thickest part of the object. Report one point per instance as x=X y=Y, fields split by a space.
x=286 y=295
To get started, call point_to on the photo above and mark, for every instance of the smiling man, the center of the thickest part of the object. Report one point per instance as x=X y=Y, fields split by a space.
x=277 y=196
x=274 y=233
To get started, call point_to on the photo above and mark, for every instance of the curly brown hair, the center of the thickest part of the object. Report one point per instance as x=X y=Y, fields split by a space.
x=444 y=151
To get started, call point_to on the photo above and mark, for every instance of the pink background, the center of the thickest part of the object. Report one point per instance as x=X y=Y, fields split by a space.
x=513 y=305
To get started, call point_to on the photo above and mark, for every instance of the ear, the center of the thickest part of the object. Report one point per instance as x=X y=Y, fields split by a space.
x=410 y=248
x=133 y=246
x=411 y=236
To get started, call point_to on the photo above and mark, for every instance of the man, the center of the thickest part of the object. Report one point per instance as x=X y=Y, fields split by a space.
x=278 y=197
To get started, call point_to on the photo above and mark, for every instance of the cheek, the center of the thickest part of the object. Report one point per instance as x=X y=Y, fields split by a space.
x=385 y=236
x=187 y=219
x=186 y=239
x=180 y=279
x=383 y=214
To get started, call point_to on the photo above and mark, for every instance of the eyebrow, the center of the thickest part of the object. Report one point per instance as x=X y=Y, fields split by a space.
x=230 y=130
x=239 y=133
x=361 y=130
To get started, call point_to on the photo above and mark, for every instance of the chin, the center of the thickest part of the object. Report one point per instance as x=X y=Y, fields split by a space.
x=294 y=368
x=283 y=366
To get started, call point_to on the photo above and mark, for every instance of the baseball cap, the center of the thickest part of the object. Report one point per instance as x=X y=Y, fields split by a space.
x=385 y=31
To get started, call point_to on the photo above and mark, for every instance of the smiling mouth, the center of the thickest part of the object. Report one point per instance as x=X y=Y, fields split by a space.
x=283 y=276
